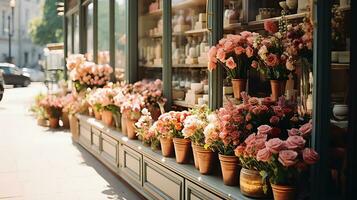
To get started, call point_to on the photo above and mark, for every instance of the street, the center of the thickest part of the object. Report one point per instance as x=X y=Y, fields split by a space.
x=42 y=164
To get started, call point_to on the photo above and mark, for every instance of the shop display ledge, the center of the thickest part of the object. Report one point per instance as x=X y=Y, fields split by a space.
x=151 y=174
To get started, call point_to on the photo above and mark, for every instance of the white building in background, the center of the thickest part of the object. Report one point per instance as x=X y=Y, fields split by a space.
x=23 y=51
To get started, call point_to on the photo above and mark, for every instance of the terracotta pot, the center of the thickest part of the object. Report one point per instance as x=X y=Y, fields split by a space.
x=42 y=122
x=195 y=157
x=97 y=114
x=167 y=147
x=205 y=159
x=65 y=120
x=117 y=120
x=239 y=86
x=251 y=183
x=107 y=117
x=124 y=129
x=54 y=122
x=73 y=124
x=229 y=167
x=277 y=88
x=282 y=192
x=182 y=150
x=130 y=125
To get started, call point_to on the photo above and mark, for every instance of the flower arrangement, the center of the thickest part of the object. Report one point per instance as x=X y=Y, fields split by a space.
x=170 y=125
x=143 y=125
x=52 y=105
x=130 y=105
x=195 y=123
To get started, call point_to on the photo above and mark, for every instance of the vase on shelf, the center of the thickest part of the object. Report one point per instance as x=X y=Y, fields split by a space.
x=195 y=156
x=277 y=88
x=167 y=146
x=123 y=124
x=206 y=159
x=229 y=167
x=182 y=150
x=282 y=192
x=130 y=126
x=251 y=184
x=239 y=85
x=97 y=114
x=107 y=117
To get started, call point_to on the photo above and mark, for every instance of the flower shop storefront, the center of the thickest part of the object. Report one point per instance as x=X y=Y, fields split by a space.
x=205 y=99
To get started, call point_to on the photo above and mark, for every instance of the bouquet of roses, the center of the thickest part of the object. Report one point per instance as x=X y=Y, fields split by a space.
x=143 y=125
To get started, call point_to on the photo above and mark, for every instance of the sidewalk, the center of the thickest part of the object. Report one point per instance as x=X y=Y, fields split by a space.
x=37 y=163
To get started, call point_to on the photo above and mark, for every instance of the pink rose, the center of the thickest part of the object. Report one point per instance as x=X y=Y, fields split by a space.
x=249 y=51
x=264 y=155
x=228 y=46
x=310 y=156
x=272 y=60
x=212 y=52
x=221 y=55
x=270 y=26
x=306 y=130
x=293 y=132
x=274 y=120
x=239 y=50
x=230 y=63
x=254 y=64
x=239 y=150
x=211 y=65
x=250 y=139
x=245 y=34
x=295 y=142
x=274 y=145
x=264 y=129
x=287 y=157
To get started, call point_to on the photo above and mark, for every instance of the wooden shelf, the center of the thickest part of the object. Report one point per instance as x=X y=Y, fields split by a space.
x=340 y=66
x=256 y=25
x=234 y=26
x=188 y=4
x=151 y=66
x=189 y=66
x=182 y=103
x=196 y=32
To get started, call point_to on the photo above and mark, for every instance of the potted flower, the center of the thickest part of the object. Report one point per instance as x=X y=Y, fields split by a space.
x=271 y=59
x=235 y=53
x=53 y=107
x=143 y=125
x=131 y=110
x=108 y=106
x=94 y=100
x=284 y=160
x=122 y=92
x=163 y=129
x=194 y=126
x=39 y=110
x=152 y=136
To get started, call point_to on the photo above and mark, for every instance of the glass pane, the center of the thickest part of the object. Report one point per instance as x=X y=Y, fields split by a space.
x=76 y=33
x=69 y=35
x=150 y=39
x=189 y=50
x=120 y=39
x=89 y=26
x=103 y=32
x=340 y=65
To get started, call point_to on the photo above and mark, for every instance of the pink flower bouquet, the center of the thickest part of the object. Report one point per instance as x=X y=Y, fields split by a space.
x=53 y=106
x=143 y=125
x=170 y=125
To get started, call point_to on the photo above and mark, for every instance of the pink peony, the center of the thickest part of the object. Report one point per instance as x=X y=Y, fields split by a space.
x=249 y=51
x=270 y=26
x=293 y=132
x=305 y=130
x=272 y=60
x=274 y=145
x=310 y=156
x=239 y=50
x=264 y=129
x=288 y=157
x=295 y=142
x=264 y=155
x=230 y=63
x=221 y=55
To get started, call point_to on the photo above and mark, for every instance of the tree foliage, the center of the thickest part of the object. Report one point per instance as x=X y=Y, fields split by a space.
x=49 y=27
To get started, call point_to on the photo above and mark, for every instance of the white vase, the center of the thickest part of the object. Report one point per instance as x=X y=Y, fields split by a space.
x=292 y=4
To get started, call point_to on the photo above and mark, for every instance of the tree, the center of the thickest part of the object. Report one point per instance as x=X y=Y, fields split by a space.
x=49 y=27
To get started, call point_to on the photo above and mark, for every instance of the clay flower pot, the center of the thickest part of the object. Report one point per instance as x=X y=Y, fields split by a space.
x=239 y=86
x=167 y=146
x=107 y=117
x=251 y=183
x=73 y=124
x=205 y=159
x=277 y=88
x=97 y=114
x=65 y=120
x=195 y=157
x=229 y=167
x=282 y=192
x=130 y=125
x=54 y=122
x=124 y=129
x=182 y=150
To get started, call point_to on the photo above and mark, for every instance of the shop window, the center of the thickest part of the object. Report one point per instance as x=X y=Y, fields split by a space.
x=69 y=35
x=103 y=32
x=120 y=39
x=89 y=31
x=76 y=33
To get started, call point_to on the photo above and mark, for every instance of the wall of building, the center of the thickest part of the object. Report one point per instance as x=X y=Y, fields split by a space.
x=23 y=51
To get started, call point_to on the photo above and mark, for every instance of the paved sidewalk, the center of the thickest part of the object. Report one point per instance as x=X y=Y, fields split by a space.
x=37 y=163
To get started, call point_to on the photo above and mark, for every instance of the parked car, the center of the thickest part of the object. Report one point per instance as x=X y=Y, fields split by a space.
x=13 y=75
x=1 y=84
x=34 y=74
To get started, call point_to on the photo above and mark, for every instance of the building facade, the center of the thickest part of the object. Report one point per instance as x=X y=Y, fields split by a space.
x=23 y=51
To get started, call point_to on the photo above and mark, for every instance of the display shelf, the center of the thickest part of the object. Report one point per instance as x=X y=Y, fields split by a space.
x=340 y=66
x=188 y=4
x=234 y=26
x=196 y=32
x=151 y=66
x=132 y=157
x=182 y=103
x=189 y=66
